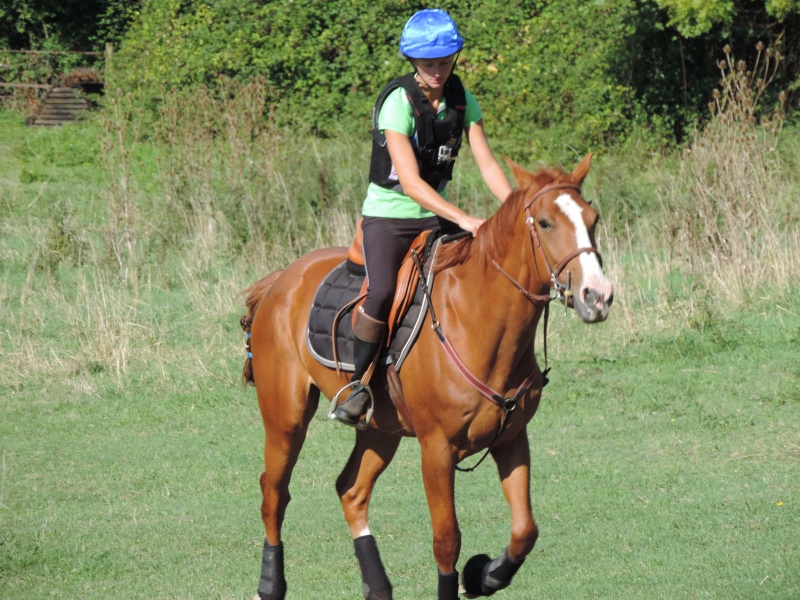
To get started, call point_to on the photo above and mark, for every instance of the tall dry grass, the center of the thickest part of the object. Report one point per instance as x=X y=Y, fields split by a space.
x=732 y=204
x=238 y=184
x=725 y=235
x=143 y=272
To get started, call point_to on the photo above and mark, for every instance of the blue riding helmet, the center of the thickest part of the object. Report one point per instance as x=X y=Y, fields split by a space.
x=430 y=33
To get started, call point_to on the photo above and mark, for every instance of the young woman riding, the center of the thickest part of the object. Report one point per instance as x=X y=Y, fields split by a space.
x=421 y=119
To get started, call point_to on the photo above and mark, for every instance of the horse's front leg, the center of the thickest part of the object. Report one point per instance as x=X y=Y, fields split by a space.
x=438 y=473
x=371 y=455
x=483 y=576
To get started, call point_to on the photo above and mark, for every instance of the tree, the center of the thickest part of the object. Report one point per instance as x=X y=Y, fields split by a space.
x=699 y=29
x=693 y=18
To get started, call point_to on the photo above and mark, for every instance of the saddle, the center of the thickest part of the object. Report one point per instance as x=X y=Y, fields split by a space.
x=330 y=323
x=330 y=337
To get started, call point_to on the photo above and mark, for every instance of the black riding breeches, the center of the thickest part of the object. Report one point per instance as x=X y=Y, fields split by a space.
x=385 y=243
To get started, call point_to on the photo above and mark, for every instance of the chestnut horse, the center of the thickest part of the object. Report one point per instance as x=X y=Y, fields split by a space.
x=470 y=384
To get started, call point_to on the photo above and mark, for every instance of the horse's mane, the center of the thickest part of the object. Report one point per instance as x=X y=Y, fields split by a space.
x=496 y=232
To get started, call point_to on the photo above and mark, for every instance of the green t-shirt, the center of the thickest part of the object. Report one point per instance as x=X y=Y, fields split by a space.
x=397 y=115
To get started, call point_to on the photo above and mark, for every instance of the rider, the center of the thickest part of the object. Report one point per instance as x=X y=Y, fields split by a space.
x=408 y=174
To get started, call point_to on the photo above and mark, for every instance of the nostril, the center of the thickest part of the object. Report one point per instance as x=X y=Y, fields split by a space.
x=591 y=297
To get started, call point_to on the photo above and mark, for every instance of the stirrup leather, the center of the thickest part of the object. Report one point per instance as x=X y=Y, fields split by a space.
x=361 y=425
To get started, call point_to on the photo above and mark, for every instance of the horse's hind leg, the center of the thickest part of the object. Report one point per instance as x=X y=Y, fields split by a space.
x=483 y=576
x=371 y=455
x=285 y=429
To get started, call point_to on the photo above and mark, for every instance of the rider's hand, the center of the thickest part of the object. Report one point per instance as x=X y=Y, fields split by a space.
x=471 y=224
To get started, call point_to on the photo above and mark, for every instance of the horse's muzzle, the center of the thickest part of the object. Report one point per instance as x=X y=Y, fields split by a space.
x=592 y=305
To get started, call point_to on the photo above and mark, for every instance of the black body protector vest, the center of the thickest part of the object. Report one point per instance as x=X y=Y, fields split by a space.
x=436 y=140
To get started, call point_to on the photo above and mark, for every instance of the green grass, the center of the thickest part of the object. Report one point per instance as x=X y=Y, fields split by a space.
x=656 y=474
x=666 y=452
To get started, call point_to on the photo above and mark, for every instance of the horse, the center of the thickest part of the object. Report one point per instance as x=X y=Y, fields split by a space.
x=471 y=383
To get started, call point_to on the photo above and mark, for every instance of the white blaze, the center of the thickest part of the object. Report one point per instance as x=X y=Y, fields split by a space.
x=589 y=263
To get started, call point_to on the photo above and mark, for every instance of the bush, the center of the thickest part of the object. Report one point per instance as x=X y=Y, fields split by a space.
x=549 y=89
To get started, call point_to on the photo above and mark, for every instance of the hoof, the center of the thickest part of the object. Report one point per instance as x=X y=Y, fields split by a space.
x=472 y=576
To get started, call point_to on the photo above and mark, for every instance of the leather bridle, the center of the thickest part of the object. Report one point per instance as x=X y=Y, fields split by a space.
x=563 y=293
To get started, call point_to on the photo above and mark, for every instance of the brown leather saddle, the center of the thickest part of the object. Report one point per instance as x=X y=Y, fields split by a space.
x=330 y=322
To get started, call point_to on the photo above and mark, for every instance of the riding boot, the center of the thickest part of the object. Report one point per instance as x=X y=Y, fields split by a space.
x=368 y=334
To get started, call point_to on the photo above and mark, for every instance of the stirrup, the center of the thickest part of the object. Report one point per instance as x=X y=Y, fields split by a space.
x=361 y=425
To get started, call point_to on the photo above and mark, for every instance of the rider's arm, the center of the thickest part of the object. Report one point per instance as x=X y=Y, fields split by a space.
x=490 y=169
x=405 y=163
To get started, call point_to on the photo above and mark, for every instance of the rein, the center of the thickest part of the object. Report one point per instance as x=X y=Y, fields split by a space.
x=507 y=404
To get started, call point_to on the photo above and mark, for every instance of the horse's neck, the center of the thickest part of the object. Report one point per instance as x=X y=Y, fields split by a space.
x=486 y=312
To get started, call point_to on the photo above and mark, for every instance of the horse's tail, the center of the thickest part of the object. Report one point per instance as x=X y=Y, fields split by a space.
x=253 y=296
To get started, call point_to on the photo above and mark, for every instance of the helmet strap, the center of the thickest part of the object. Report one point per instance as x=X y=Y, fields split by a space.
x=455 y=62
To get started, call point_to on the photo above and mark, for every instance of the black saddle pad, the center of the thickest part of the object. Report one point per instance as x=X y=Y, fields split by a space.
x=340 y=287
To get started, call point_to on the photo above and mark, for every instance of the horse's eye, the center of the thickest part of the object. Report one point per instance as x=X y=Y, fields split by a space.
x=544 y=224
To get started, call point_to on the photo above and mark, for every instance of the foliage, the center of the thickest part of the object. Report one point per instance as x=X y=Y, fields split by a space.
x=783 y=8
x=326 y=66
x=78 y=25
x=318 y=62
x=693 y=18
x=549 y=89
x=555 y=79
x=542 y=84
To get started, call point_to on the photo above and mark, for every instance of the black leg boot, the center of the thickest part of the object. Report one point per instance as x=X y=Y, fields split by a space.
x=375 y=582
x=369 y=334
x=351 y=409
x=272 y=585
x=448 y=586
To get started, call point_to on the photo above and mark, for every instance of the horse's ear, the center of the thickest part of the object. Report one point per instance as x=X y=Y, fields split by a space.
x=582 y=170
x=524 y=177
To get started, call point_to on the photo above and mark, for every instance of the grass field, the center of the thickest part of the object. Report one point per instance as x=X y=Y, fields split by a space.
x=666 y=452
x=657 y=474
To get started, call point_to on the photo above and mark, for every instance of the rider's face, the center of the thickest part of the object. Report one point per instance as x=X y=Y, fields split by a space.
x=434 y=71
